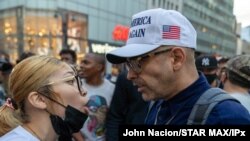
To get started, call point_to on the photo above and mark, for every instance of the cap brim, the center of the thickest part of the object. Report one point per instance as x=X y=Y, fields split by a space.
x=119 y=55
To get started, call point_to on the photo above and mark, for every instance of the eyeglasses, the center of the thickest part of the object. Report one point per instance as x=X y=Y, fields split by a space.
x=135 y=63
x=75 y=79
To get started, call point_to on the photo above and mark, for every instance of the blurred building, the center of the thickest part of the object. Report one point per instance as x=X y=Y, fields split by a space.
x=239 y=40
x=213 y=20
x=245 y=33
x=245 y=47
x=47 y=26
x=245 y=40
x=166 y=4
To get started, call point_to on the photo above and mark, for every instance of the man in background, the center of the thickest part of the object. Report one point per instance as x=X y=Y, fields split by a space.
x=68 y=56
x=237 y=79
x=99 y=90
x=208 y=65
x=5 y=70
x=221 y=69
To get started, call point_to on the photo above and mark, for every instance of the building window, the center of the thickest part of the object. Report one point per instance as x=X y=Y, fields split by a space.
x=153 y=3
x=172 y=6
x=40 y=32
x=8 y=33
x=159 y=4
x=168 y=5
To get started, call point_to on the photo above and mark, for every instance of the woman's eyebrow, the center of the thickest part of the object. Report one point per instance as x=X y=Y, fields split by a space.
x=69 y=72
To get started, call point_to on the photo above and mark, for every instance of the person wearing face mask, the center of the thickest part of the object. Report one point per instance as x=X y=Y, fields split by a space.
x=50 y=104
x=208 y=65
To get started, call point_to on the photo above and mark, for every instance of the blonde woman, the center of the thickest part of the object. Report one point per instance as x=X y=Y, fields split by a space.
x=50 y=101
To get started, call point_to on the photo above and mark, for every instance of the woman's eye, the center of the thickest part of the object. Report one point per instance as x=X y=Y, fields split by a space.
x=71 y=82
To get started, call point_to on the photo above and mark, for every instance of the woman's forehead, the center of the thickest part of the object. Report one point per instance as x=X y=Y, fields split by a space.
x=63 y=72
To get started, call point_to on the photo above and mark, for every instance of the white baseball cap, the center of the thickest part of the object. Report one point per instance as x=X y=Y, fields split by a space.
x=151 y=29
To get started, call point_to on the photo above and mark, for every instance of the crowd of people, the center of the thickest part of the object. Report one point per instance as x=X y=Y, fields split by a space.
x=163 y=83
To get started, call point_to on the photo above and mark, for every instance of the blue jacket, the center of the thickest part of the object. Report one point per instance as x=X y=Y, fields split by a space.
x=177 y=110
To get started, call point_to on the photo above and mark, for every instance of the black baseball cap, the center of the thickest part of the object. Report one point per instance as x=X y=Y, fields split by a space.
x=206 y=62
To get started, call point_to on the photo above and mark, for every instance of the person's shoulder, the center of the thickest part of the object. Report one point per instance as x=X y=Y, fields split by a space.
x=13 y=138
x=240 y=96
x=108 y=83
x=231 y=112
x=229 y=105
x=18 y=134
x=13 y=135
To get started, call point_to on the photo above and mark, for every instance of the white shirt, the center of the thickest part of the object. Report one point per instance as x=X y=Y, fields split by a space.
x=18 y=134
x=106 y=90
x=93 y=130
x=243 y=98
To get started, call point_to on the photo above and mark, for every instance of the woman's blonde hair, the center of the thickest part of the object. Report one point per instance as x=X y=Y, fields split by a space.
x=28 y=76
x=7 y=120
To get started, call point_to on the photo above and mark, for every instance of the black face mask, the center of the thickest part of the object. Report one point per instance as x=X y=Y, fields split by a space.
x=73 y=122
x=210 y=77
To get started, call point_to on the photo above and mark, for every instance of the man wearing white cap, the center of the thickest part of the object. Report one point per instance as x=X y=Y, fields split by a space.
x=159 y=55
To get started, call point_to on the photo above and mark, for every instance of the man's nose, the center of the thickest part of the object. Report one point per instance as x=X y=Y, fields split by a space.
x=131 y=74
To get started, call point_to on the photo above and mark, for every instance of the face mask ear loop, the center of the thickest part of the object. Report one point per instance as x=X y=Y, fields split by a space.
x=48 y=111
x=51 y=98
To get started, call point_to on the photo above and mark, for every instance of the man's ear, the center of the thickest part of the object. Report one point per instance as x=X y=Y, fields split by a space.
x=223 y=78
x=100 y=67
x=36 y=100
x=179 y=57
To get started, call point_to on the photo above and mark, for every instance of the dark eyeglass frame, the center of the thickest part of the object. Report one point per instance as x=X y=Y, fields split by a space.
x=78 y=81
x=135 y=62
